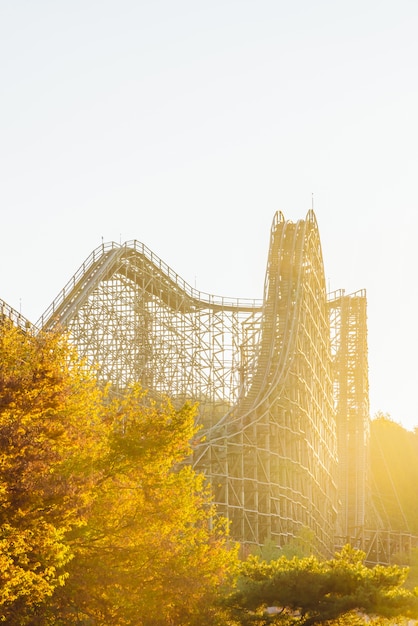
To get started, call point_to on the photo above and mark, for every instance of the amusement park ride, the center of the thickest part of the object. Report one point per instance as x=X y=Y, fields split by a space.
x=281 y=383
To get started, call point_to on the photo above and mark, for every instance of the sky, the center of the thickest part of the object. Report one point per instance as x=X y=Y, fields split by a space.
x=187 y=124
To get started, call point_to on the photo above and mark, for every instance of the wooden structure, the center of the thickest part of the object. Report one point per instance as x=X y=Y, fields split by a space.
x=281 y=382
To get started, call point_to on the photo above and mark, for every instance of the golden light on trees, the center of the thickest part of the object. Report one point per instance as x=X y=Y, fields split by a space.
x=100 y=520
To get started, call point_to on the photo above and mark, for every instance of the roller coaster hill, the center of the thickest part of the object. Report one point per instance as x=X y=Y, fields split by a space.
x=281 y=382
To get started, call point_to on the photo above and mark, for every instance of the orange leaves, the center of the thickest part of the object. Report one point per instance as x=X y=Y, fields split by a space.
x=101 y=518
x=154 y=544
x=46 y=404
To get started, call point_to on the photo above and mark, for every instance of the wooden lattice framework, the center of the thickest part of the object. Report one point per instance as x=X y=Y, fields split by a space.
x=270 y=375
x=273 y=458
x=348 y=317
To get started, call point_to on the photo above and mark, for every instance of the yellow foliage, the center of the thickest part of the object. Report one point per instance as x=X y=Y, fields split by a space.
x=102 y=520
x=155 y=551
x=51 y=435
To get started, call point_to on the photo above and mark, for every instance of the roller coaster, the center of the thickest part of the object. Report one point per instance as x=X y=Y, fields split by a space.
x=281 y=382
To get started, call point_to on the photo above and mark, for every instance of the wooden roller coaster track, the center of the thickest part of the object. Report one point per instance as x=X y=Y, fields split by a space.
x=281 y=382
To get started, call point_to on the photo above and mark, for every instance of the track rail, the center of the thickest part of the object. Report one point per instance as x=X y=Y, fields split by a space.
x=273 y=456
x=264 y=372
x=104 y=260
x=7 y=312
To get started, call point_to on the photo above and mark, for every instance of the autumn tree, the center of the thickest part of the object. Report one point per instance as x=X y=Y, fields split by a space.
x=153 y=551
x=309 y=591
x=103 y=520
x=51 y=435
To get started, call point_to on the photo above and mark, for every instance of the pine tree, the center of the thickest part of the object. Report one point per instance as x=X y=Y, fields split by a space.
x=308 y=591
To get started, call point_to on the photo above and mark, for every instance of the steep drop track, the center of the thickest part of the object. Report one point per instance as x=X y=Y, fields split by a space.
x=269 y=375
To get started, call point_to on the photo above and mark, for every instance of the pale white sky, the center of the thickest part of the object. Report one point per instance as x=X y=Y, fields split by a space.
x=187 y=124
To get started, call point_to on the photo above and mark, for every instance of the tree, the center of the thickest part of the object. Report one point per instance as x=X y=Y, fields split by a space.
x=303 y=544
x=394 y=473
x=153 y=551
x=308 y=591
x=102 y=519
x=51 y=435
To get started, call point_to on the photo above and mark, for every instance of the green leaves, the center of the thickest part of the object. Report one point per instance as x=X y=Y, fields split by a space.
x=310 y=591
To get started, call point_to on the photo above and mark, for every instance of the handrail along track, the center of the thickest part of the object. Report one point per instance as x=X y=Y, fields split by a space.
x=268 y=374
